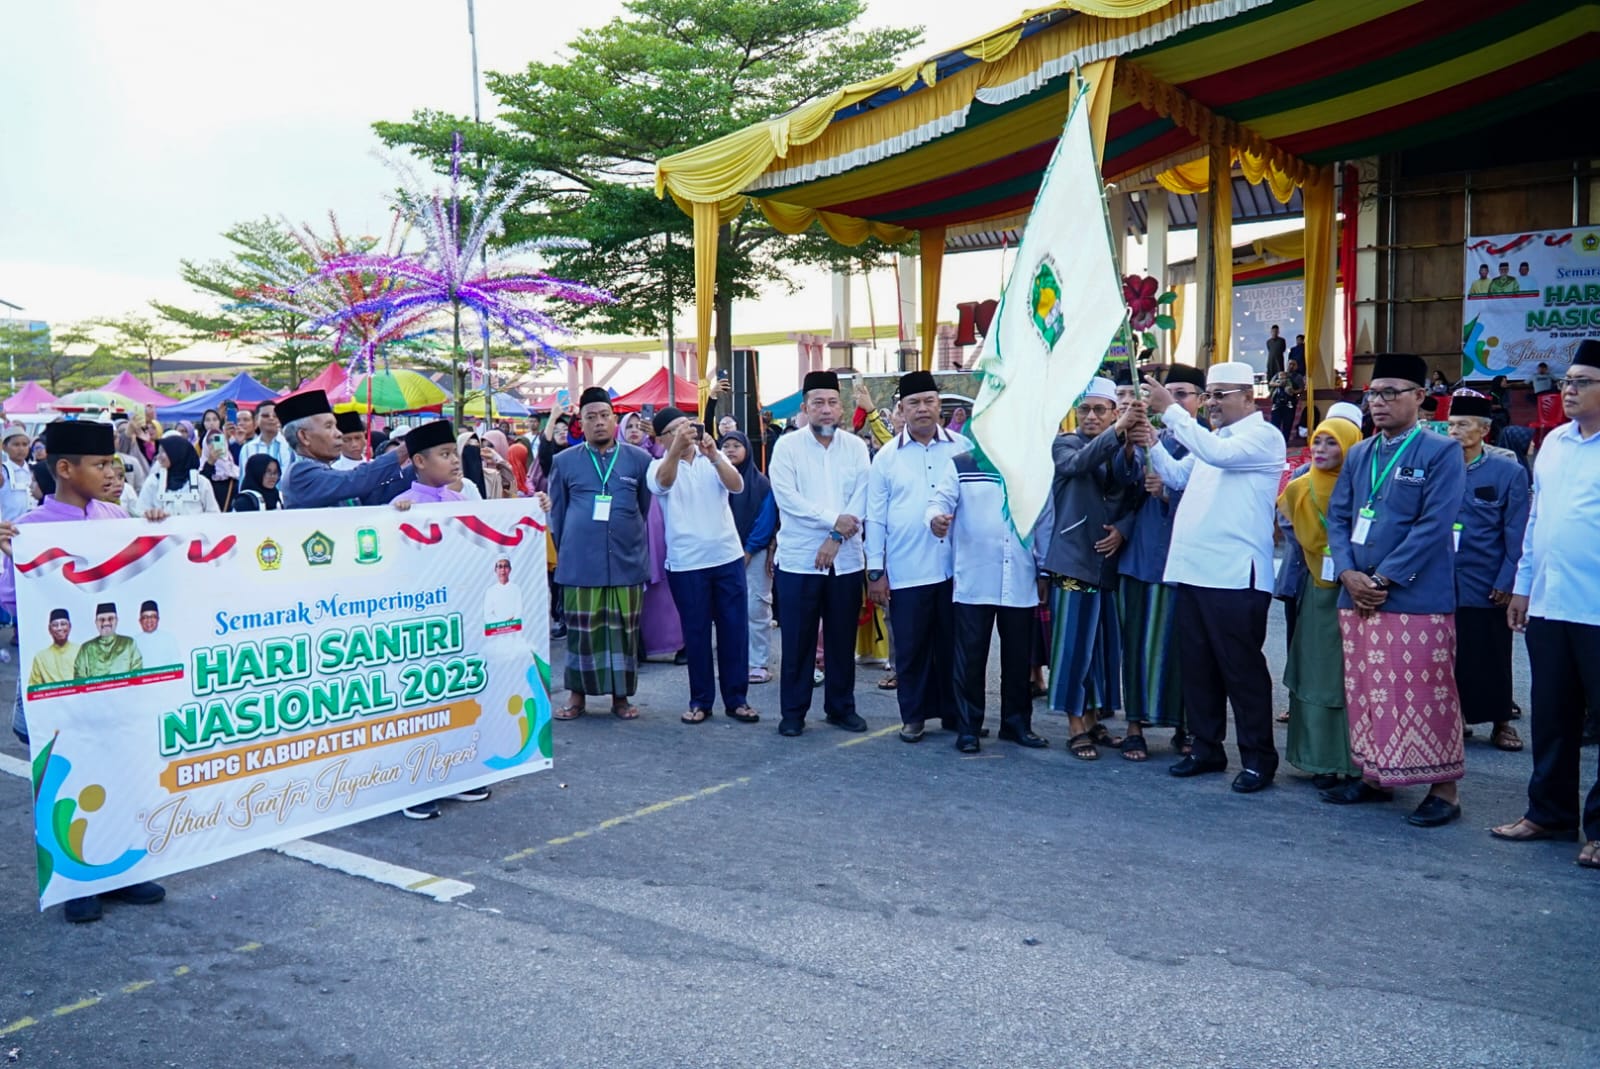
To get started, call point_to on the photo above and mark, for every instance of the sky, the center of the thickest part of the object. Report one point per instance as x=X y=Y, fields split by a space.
x=132 y=135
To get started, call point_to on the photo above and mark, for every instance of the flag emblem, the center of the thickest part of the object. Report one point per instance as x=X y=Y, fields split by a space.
x=1046 y=303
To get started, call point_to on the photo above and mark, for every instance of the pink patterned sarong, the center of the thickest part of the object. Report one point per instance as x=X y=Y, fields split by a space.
x=1400 y=690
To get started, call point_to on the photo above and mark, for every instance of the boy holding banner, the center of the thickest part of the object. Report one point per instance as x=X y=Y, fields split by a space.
x=82 y=457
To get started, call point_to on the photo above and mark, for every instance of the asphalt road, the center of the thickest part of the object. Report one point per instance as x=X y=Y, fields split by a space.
x=719 y=896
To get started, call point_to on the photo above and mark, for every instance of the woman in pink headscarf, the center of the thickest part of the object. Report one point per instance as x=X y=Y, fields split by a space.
x=499 y=480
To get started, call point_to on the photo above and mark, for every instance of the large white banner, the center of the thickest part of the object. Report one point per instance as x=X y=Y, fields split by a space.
x=211 y=685
x=1530 y=299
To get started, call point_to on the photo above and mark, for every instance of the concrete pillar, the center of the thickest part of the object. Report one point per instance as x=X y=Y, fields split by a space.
x=1366 y=272
x=910 y=321
x=840 y=328
x=1155 y=243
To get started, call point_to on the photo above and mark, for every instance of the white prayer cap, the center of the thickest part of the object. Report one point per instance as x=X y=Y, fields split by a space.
x=13 y=430
x=1102 y=388
x=1346 y=411
x=1231 y=373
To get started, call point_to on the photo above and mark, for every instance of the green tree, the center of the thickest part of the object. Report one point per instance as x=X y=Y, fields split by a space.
x=26 y=353
x=663 y=77
x=264 y=251
x=138 y=338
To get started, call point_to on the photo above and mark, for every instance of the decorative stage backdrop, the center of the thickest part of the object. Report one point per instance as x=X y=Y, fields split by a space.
x=1530 y=299
x=211 y=685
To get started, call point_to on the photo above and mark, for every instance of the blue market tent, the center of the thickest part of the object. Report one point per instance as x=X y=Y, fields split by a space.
x=242 y=390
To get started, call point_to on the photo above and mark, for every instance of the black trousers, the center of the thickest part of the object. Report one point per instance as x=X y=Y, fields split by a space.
x=1565 y=659
x=804 y=601
x=924 y=649
x=1221 y=634
x=973 y=626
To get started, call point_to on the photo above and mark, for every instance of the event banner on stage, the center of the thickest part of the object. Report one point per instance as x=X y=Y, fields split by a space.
x=1530 y=299
x=210 y=685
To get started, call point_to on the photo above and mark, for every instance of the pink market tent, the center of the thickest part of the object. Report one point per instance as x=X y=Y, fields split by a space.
x=125 y=385
x=332 y=378
x=30 y=398
x=653 y=391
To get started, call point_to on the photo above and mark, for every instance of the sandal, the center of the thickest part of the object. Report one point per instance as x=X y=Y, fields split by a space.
x=627 y=712
x=889 y=682
x=569 y=712
x=1283 y=718
x=745 y=715
x=1589 y=856
x=760 y=675
x=1134 y=748
x=1102 y=737
x=1506 y=738
x=1083 y=748
x=693 y=716
x=1524 y=830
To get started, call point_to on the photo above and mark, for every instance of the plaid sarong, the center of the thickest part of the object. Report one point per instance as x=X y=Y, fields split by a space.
x=603 y=639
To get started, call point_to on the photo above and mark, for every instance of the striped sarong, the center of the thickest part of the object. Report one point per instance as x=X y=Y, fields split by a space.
x=1400 y=689
x=603 y=639
x=1152 y=690
x=1085 y=649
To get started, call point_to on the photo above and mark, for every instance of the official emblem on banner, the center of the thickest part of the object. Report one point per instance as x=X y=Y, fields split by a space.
x=318 y=549
x=1046 y=303
x=367 y=546
x=269 y=555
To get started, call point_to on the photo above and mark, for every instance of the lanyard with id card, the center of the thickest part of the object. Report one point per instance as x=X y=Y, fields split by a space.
x=602 y=500
x=1364 y=518
x=1328 y=575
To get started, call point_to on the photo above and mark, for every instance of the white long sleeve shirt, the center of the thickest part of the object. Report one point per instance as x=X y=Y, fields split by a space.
x=1222 y=535
x=814 y=485
x=1559 y=572
x=898 y=541
x=992 y=566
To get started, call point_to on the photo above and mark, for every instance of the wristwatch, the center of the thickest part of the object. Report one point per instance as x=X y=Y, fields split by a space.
x=836 y=536
x=1380 y=582
x=874 y=575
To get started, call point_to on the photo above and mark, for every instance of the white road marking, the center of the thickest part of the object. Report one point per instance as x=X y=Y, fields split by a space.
x=369 y=868
x=329 y=857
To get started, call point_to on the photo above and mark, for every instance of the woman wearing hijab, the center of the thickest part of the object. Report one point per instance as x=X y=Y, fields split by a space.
x=1319 y=728
x=518 y=456
x=471 y=467
x=497 y=478
x=175 y=485
x=755 y=514
x=216 y=462
x=128 y=449
x=258 y=489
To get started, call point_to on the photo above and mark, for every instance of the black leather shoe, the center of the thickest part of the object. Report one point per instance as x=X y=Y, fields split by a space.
x=83 y=910
x=789 y=731
x=1325 y=781
x=1356 y=792
x=967 y=743
x=911 y=732
x=680 y=658
x=849 y=722
x=138 y=894
x=1024 y=738
x=1250 y=781
x=1434 y=812
x=1192 y=766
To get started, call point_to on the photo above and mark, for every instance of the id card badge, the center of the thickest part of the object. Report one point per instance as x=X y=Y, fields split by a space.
x=1363 y=526
x=1456 y=535
x=1327 y=565
x=602 y=508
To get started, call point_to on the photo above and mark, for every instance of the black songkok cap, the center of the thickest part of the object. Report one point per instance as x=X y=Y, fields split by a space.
x=1122 y=376
x=1192 y=376
x=819 y=380
x=349 y=422
x=59 y=614
x=1588 y=353
x=663 y=419
x=594 y=395
x=79 y=438
x=1400 y=366
x=106 y=607
x=148 y=606
x=1471 y=404
x=914 y=382
x=427 y=435
x=301 y=405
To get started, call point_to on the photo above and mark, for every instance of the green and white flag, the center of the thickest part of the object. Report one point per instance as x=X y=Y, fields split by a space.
x=1058 y=314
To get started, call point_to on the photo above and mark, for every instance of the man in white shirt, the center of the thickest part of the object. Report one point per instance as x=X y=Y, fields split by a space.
x=352 y=443
x=907 y=562
x=996 y=589
x=705 y=563
x=158 y=648
x=1556 y=602
x=819 y=478
x=16 y=497
x=268 y=441
x=1221 y=561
